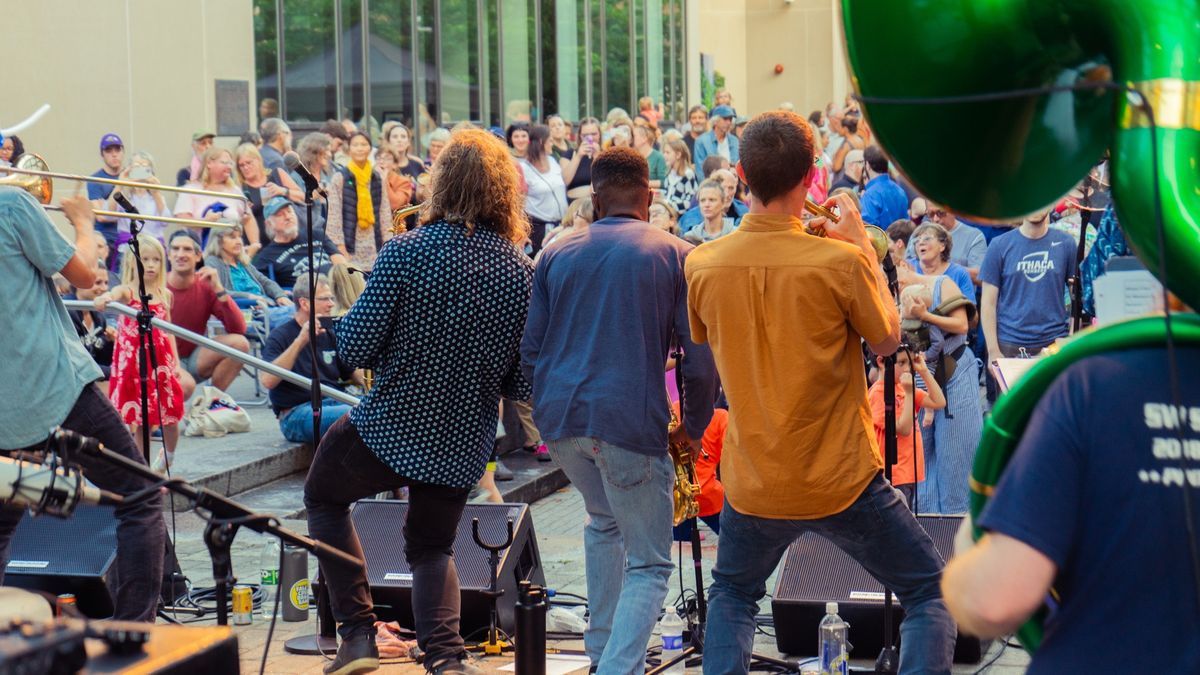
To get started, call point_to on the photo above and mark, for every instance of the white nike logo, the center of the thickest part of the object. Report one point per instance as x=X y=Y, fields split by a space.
x=1055 y=243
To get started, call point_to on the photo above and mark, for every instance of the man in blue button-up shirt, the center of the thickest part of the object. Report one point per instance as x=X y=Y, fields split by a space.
x=719 y=140
x=883 y=200
x=607 y=303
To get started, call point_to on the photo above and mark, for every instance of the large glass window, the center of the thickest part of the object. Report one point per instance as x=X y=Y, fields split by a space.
x=637 y=64
x=653 y=60
x=493 y=95
x=617 y=57
x=266 y=51
x=353 y=77
x=599 y=102
x=391 y=61
x=429 y=111
x=571 y=68
x=519 y=49
x=310 y=73
x=431 y=63
x=459 y=61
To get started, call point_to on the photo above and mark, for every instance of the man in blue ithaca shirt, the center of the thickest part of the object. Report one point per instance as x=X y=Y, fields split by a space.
x=1023 y=303
x=440 y=323
x=607 y=303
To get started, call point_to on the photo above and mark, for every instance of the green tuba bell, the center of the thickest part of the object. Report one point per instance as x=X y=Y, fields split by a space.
x=999 y=158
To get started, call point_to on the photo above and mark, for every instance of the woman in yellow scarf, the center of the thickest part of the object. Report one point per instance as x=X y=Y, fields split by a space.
x=359 y=213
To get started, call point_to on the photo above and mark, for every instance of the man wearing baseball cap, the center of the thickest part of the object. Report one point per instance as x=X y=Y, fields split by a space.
x=112 y=151
x=718 y=140
x=202 y=140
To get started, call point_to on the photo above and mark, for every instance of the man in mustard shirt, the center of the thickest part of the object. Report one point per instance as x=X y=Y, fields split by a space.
x=785 y=313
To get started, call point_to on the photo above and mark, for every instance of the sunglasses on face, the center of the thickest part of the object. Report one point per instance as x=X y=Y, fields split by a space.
x=935 y=213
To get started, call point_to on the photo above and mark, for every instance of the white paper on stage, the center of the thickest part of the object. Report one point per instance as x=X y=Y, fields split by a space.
x=1126 y=293
x=1008 y=371
x=558 y=664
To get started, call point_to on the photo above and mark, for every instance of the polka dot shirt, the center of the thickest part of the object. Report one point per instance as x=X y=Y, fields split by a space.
x=440 y=323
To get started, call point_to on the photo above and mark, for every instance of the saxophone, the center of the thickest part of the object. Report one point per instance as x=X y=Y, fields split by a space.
x=686 y=493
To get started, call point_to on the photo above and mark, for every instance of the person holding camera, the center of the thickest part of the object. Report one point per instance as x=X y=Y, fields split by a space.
x=287 y=347
x=577 y=172
x=147 y=201
x=910 y=453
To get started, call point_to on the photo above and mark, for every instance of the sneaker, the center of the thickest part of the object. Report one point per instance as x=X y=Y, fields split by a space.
x=459 y=665
x=503 y=473
x=356 y=655
x=542 y=453
x=162 y=461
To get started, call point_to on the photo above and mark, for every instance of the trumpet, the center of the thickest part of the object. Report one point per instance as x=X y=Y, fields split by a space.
x=879 y=238
x=32 y=175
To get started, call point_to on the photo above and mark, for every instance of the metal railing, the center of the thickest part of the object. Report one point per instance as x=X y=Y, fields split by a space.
x=209 y=343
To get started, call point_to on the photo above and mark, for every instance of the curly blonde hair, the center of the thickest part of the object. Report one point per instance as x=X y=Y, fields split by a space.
x=475 y=183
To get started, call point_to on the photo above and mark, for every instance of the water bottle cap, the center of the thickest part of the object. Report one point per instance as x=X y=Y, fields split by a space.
x=669 y=610
x=831 y=608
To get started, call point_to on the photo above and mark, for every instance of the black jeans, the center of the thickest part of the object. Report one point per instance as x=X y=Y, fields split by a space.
x=141 y=532
x=345 y=470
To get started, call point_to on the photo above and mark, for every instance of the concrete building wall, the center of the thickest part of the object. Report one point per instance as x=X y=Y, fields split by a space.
x=143 y=69
x=748 y=38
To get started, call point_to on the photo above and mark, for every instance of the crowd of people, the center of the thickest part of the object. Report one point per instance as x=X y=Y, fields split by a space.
x=543 y=233
x=982 y=292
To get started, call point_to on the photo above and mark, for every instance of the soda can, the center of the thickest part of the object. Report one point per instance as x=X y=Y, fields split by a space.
x=62 y=602
x=243 y=605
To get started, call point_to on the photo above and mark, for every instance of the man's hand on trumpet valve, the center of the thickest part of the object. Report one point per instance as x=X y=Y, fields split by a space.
x=849 y=227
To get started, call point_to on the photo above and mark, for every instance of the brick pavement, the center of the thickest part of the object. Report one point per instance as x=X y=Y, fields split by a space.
x=558 y=521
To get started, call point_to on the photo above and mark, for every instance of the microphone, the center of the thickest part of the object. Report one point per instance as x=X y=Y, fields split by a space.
x=292 y=161
x=71 y=443
x=46 y=489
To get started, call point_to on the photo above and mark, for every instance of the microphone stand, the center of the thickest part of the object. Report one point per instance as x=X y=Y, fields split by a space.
x=326 y=638
x=147 y=357
x=888 y=660
x=226 y=515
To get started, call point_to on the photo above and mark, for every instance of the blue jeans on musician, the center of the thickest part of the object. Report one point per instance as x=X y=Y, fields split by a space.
x=878 y=531
x=296 y=424
x=627 y=546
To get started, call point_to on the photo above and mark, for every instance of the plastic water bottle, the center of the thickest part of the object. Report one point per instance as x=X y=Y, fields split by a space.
x=834 y=647
x=671 y=627
x=269 y=581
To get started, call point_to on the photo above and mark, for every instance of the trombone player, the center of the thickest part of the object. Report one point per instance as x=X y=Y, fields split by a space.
x=41 y=346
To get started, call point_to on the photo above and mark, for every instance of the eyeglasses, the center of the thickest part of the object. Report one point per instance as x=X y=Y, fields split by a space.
x=935 y=213
x=926 y=238
x=325 y=298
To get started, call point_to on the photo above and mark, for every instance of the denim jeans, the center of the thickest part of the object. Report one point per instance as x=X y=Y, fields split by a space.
x=627 y=546
x=296 y=424
x=345 y=470
x=878 y=531
x=141 y=532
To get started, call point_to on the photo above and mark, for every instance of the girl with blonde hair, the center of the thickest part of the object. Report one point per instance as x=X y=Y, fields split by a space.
x=165 y=391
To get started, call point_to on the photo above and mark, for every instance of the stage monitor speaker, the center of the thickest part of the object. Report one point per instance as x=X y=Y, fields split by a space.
x=815 y=572
x=71 y=555
x=379 y=525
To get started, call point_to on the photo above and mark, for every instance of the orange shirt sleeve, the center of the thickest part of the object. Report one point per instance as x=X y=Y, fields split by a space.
x=867 y=314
